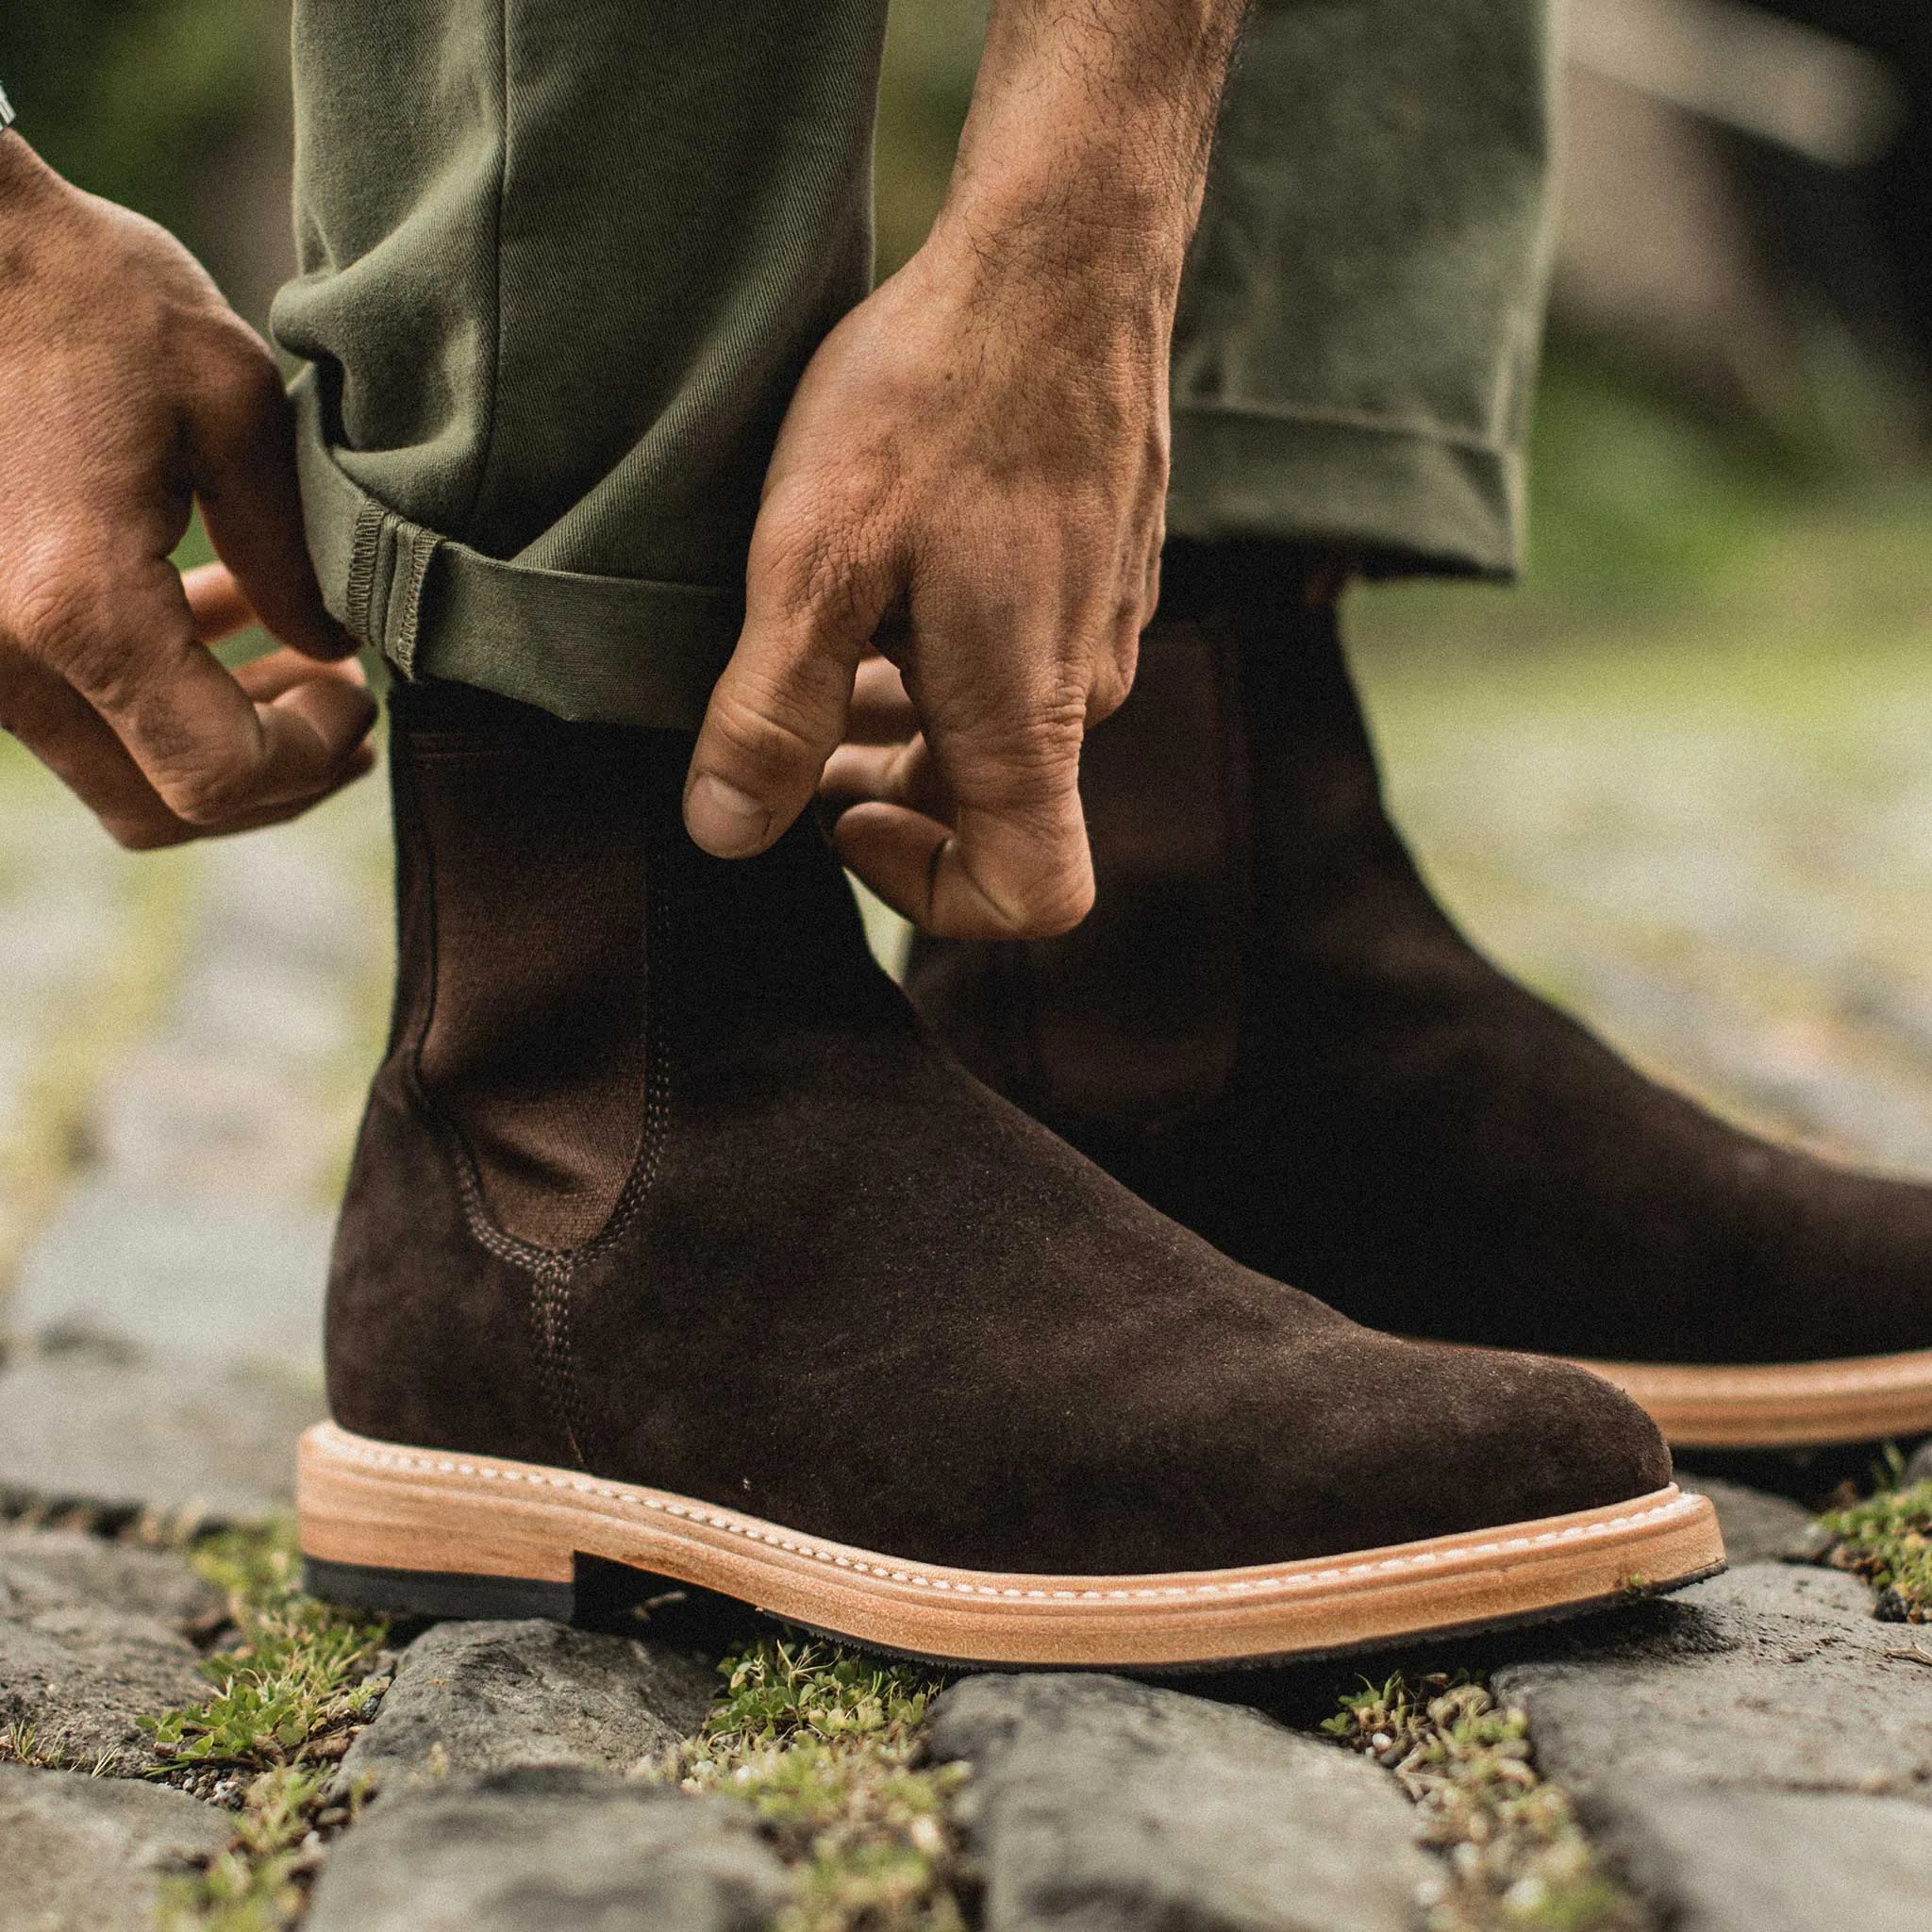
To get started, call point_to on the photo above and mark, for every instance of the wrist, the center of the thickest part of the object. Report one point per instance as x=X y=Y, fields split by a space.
x=1117 y=182
x=25 y=178
x=1088 y=146
x=1059 y=263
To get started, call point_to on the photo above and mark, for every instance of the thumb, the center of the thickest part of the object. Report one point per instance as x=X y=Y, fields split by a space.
x=777 y=714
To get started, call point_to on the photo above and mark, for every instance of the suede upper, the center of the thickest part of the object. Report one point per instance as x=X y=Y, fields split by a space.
x=1380 y=1114
x=838 y=1283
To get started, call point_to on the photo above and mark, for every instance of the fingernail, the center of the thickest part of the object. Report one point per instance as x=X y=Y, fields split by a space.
x=727 y=822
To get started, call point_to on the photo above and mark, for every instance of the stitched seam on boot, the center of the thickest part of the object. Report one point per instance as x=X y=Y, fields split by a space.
x=550 y=1312
x=527 y=1256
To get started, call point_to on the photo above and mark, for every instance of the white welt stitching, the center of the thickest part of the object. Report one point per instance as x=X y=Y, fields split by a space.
x=398 y=1459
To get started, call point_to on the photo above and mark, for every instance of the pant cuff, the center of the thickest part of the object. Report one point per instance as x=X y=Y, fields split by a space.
x=1409 y=502
x=606 y=650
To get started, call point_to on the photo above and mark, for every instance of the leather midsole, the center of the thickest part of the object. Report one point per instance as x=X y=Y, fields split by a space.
x=384 y=1505
x=1779 y=1405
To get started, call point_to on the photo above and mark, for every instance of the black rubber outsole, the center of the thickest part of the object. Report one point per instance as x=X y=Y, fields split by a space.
x=601 y=1591
x=439 y=1593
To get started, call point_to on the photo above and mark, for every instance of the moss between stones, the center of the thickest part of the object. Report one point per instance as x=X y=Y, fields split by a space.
x=1517 y=1855
x=22 y=1744
x=825 y=1746
x=292 y=1691
x=1888 y=1540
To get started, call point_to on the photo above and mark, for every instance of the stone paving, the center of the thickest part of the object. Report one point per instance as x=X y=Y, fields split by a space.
x=1725 y=863
x=170 y=1189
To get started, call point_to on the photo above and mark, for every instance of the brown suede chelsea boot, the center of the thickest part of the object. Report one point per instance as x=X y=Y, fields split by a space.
x=673 y=1241
x=1270 y=1031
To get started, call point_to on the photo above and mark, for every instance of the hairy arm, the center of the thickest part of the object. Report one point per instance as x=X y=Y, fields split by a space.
x=970 y=477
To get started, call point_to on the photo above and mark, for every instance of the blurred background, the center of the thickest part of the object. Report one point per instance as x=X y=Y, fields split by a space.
x=1682 y=778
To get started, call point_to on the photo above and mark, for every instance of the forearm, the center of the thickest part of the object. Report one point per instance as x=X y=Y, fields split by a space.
x=1090 y=127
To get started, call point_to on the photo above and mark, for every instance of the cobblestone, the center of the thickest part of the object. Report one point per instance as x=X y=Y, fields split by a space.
x=92 y=1636
x=89 y=1855
x=550 y=1851
x=474 y=1697
x=1730 y=1860
x=1770 y=1675
x=1096 y=1802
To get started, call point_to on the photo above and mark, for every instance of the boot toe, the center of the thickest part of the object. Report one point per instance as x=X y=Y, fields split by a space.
x=1446 y=1440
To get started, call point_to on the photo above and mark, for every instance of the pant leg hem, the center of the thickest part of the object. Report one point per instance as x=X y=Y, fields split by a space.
x=606 y=650
x=1410 y=502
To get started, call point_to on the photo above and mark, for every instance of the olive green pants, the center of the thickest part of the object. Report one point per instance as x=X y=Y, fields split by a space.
x=561 y=267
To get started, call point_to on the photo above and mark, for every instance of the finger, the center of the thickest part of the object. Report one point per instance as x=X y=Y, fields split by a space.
x=76 y=743
x=216 y=600
x=177 y=831
x=241 y=463
x=995 y=876
x=265 y=678
x=779 y=710
x=881 y=711
x=212 y=754
x=888 y=774
x=68 y=735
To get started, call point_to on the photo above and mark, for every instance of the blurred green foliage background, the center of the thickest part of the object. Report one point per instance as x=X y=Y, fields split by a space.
x=178 y=107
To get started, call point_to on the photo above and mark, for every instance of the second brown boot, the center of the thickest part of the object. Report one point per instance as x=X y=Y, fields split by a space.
x=1269 y=1029
x=673 y=1241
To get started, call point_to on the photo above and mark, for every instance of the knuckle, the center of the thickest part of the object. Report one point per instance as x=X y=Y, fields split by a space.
x=56 y=620
x=1042 y=883
x=1036 y=770
x=1058 y=905
x=239 y=392
x=766 y=733
x=1109 y=693
x=242 y=360
x=1116 y=657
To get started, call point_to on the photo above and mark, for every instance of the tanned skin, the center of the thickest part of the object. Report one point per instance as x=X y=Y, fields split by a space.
x=129 y=390
x=970 y=479
x=972 y=475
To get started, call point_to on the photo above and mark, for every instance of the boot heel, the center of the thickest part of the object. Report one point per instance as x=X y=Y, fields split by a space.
x=438 y=1592
x=396 y=1535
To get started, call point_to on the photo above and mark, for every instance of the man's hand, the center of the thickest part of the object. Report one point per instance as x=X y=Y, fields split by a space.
x=970 y=477
x=129 y=389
